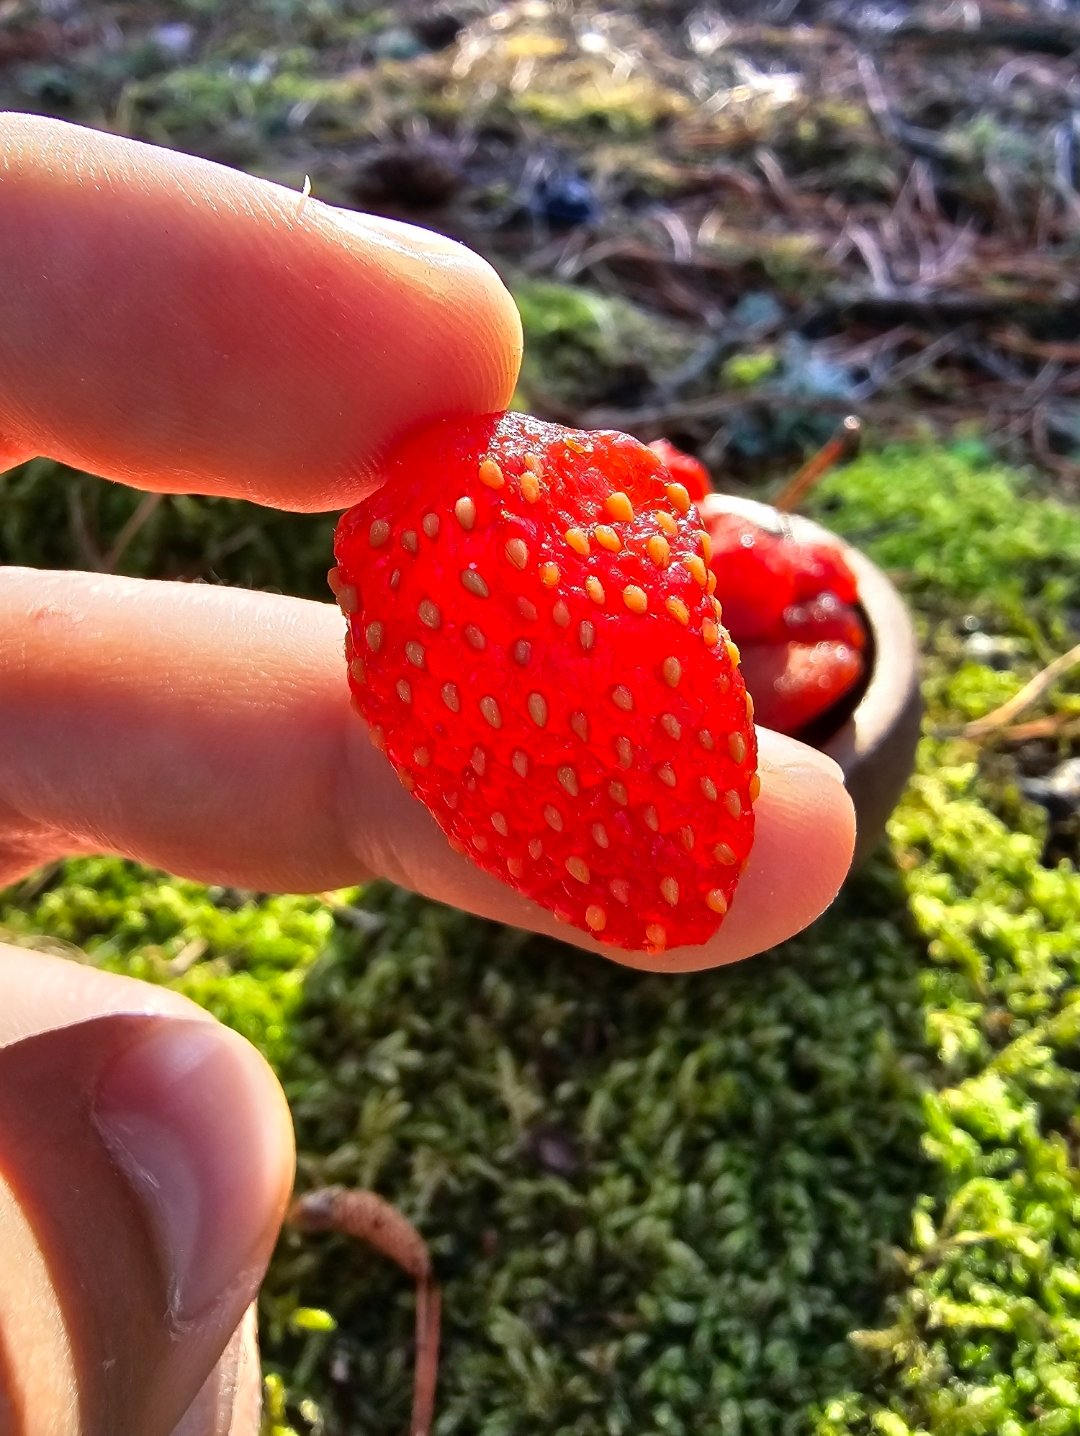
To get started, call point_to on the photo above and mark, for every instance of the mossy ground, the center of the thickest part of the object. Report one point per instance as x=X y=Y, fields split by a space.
x=830 y=1192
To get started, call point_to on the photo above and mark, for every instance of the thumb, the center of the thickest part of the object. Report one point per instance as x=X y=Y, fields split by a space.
x=145 y=1161
x=229 y=1402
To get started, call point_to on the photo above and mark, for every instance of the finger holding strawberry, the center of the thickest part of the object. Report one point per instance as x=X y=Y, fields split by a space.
x=536 y=647
x=537 y=644
x=207 y=730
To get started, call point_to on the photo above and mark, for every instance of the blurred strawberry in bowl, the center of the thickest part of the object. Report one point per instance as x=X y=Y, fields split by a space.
x=828 y=652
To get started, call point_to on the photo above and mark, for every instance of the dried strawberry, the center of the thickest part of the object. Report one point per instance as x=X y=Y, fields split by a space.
x=690 y=472
x=794 y=683
x=534 y=643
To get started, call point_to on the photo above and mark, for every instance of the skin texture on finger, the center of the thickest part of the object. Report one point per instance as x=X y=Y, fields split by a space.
x=39 y=993
x=230 y=1401
x=180 y=326
x=115 y=1126
x=216 y=740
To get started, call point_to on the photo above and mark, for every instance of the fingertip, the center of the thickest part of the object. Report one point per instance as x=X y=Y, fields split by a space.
x=447 y=268
x=804 y=838
x=183 y=327
x=472 y=342
x=804 y=845
x=40 y=992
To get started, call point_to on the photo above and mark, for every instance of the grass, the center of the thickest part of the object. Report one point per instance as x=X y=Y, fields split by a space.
x=830 y=1192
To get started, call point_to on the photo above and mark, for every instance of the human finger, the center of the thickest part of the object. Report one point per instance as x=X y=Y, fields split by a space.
x=229 y=1402
x=138 y=1208
x=180 y=326
x=215 y=739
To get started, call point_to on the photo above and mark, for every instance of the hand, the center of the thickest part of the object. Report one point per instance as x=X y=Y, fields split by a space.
x=178 y=327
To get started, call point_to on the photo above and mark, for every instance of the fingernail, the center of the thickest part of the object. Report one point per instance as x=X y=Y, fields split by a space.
x=805 y=772
x=230 y=1399
x=779 y=753
x=191 y=1117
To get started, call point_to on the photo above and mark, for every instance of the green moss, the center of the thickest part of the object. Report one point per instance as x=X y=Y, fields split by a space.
x=53 y=517
x=630 y=109
x=243 y=957
x=830 y=1192
x=982 y=144
x=743 y=371
x=792 y=264
x=985 y=1332
x=577 y=341
x=197 y=104
x=529 y=74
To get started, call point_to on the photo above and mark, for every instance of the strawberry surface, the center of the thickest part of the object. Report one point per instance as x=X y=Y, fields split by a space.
x=690 y=472
x=757 y=576
x=824 y=619
x=534 y=643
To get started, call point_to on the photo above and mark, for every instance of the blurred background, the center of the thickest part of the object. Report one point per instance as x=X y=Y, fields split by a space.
x=833 y=1191
x=730 y=224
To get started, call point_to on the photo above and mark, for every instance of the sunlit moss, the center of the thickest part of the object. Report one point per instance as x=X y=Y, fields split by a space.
x=578 y=342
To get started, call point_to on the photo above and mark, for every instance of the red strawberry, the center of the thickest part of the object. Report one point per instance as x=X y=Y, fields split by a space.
x=789 y=605
x=756 y=576
x=690 y=472
x=824 y=619
x=533 y=640
x=820 y=568
x=794 y=683
x=770 y=584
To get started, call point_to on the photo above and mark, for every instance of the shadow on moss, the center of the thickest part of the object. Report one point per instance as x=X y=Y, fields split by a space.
x=648 y=1197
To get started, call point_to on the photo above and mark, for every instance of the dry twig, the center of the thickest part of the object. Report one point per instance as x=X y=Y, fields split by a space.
x=841 y=446
x=1027 y=697
x=369 y=1218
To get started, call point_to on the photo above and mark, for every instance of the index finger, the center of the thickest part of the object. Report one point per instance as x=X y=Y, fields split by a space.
x=179 y=326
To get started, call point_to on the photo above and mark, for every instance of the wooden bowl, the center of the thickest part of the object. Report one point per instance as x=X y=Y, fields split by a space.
x=873 y=733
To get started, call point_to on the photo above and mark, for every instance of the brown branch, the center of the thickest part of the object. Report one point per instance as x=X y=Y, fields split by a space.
x=841 y=446
x=1057 y=726
x=1017 y=342
x=1045 y=37
x=987 y=398
x=1028 y=696
x=369 y=1218
x=138 y=519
